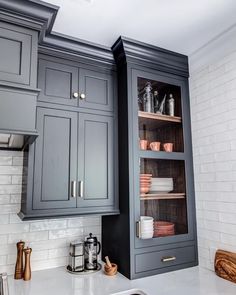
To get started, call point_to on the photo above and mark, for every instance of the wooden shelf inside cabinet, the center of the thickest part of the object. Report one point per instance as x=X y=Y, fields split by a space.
x=168 y=196
x=158 y=120
x=161 y=155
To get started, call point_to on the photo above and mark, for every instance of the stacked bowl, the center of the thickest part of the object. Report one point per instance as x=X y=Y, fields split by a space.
x=163 y=228
x=145 y=183
x=161 y=185
x=146 y=227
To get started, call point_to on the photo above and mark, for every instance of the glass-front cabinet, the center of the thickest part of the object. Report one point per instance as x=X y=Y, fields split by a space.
x=161 y=190
x=156 y=229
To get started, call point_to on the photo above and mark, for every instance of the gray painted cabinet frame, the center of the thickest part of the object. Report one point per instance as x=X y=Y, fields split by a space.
x=138 y=257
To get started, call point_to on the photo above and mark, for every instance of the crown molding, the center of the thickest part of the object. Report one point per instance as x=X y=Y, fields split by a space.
x=40 y=16
x=126 y=50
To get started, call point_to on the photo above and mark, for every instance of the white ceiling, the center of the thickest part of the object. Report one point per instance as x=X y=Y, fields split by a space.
x=179 y=25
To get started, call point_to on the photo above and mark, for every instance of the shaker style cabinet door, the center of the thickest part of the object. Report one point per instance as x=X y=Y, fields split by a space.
x=96 y=90
x=18 y=54
x=58 y=82
x=95 y=161
x=55 y=160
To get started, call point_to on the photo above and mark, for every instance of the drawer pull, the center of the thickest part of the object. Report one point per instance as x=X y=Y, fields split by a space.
x=168 y=258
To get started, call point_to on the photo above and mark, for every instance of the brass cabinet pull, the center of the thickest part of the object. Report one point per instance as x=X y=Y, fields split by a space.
x=73 y=189
x=82 y=96
x=81 y=189
x=168 y=258
x=75 y=95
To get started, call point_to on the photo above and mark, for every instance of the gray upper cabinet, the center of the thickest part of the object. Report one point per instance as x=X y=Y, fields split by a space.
x=59 y=83
x=55 y=159
x=18 y=63
x=68 y=84
x=97 y=88
x=95 y=161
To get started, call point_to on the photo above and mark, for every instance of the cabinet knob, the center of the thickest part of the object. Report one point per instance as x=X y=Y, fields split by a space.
x=75 y=95
x=82 y=96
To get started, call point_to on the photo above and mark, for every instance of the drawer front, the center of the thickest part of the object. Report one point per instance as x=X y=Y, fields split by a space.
x=97 y=88
x=18 y=54
x=166 y=258
x=58 y=82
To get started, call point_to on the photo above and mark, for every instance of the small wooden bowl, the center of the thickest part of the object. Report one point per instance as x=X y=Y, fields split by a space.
x=110 y=271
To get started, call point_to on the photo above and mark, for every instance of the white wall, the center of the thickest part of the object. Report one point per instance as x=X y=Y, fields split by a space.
x=49 y=239
x=213 y=113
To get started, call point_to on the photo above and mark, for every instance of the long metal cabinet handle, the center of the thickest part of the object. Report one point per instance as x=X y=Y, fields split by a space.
x=168 y=258
x=81 y=189
x=73 y=189
x=138 y=230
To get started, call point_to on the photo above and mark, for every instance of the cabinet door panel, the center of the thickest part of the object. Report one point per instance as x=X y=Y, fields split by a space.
x=15 y=61
x=58 y=82
x=55 y=159
x=95 y=160
x=97 y=88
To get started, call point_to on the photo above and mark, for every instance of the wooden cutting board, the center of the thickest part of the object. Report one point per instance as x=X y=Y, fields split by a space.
x=225 y=265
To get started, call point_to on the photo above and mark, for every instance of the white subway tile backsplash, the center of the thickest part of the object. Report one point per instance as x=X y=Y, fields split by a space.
x=28 y=237
x=14 y=228
x=5 y=160
x=48 y=225
x=3 y=260
x=65 y=233
x=11 y=170
x=10 y=208
x=214 y=155
x=5 y=179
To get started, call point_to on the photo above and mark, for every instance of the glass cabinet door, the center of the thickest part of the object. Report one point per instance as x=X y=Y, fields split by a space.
x=162 y=181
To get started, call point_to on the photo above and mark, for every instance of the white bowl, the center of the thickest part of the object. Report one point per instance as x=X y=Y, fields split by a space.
x=146 y=218
x=142 y=229
x=146 y=236
x=162 y=181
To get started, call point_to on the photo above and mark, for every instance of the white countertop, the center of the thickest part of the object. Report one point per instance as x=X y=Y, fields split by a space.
x=191 y=281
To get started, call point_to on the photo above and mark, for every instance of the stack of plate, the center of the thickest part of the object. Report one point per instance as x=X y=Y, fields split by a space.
x=163 y=228
x=145 y=183
x=146 y=227
x=161 y=185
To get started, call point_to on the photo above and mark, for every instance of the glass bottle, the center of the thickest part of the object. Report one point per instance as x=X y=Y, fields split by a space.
x=148 y=98
x=155 y=101
x=171 y=105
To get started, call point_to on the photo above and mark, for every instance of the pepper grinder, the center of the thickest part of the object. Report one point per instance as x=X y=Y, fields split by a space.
x=27 y=270
x=19 y=272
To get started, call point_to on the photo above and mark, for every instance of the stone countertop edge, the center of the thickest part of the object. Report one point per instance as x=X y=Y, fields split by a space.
x=57 y=281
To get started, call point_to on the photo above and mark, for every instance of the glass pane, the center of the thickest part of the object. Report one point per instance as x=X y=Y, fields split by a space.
x=160 y=116
x=163 y=195
x=162 y=181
